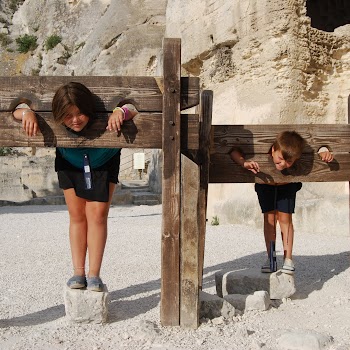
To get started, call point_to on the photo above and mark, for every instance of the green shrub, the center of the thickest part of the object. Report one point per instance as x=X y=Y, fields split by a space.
x=26 y=43
x=52 y=41
x=5 y=151
x=215 y=221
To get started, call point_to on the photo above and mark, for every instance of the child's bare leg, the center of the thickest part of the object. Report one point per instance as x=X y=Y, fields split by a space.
x=97 y=214
x=269 y=229
x=287 y=230
x=77 y=230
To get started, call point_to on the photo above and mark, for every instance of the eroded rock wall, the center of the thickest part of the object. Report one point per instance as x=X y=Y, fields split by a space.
x=266 y=64
x=263 y=59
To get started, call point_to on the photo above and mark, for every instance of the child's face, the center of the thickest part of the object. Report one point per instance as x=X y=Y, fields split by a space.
x=75 y=120
x=280 y=162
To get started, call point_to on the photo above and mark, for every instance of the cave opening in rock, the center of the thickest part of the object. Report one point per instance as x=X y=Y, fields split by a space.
x=327 y=15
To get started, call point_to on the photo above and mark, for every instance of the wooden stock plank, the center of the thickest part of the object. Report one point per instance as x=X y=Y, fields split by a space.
x=310 y=169
x=259 y=138
x=189 y=299
x=170 y=274
x=146 y=93
x=144 y=131
x=205 y=117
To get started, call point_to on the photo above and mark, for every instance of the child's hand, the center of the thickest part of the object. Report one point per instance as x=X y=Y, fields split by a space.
x=115 y=121
x=29 y=120
x=252 y=166
x=326 y=156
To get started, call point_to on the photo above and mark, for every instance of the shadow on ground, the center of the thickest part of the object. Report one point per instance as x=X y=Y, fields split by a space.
x=311 y=274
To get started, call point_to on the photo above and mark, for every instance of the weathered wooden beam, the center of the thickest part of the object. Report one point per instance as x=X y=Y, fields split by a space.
x=309 y=169
x=144 y=131
x=146 y=93
x=170 y=272
x=205 y=118
x=259 y=138
x=189 y=242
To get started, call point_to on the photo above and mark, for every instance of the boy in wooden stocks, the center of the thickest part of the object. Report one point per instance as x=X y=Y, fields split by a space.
x=88 y=177
x=277 y=200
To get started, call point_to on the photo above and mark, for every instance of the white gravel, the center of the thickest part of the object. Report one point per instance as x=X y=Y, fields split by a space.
x=35 y=263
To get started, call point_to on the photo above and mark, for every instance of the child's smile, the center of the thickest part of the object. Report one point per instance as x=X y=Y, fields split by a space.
x=279 y=161
x=75 y=120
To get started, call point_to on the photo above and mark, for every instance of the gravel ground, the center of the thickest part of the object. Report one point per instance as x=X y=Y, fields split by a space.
x=35 y=263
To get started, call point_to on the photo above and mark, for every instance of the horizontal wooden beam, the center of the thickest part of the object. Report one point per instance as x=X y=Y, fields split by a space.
x=144 y=131
x=146 y=93
x=310 y=169
x=255 y=139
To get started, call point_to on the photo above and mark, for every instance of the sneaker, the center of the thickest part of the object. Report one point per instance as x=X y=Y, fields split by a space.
x=266 y=267
x=77 y=282
x=94 y=284
x=288 y=267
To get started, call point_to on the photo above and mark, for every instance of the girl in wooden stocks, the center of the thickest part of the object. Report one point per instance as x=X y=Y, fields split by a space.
x=88 y=177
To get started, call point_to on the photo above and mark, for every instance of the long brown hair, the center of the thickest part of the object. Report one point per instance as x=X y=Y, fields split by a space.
x=72 y=94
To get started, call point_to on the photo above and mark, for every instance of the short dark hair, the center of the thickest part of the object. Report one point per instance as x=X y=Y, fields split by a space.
x=291 y=145
x=72 y=94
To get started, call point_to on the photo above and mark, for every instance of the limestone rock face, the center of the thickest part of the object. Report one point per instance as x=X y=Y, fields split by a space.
x=267 y=62
x=98 y=37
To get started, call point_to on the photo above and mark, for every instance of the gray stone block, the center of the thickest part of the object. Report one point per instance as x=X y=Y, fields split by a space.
x=211 y=306
x=279 y=285
x=236 y=300
x=84 y=306
x=260 y=300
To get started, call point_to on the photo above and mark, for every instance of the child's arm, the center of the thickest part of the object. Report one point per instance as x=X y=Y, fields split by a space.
x=29 y=120
x=237 y=157
x=119 y=116
x=325 y=154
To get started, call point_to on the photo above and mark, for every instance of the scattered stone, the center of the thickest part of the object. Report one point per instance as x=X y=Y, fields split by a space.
x=237 y=300
x=303 y=340
x=212 y=306
x=258 y=301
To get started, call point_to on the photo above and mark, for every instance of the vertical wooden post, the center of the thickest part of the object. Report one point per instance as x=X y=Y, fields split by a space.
x=349 y=181
x=170 y=255
x=189 y=289
x=205 y=117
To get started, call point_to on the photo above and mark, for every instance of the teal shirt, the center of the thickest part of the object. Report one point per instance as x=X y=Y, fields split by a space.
x=97 y=156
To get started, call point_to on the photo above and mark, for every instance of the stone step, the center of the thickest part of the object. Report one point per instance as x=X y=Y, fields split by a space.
x=146 y=202
x=134 y=185
x=145 y=198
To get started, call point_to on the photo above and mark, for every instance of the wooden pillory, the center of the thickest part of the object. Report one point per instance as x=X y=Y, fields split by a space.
x=255 y=142
x=194 y=154
x=161 y=125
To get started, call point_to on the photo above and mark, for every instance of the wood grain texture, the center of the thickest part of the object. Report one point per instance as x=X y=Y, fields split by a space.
x=145 y=93
x=189 y=290
x=254 y=139
x=144 y=131
x=309 y=169
x=170 y=273
x=205 y=118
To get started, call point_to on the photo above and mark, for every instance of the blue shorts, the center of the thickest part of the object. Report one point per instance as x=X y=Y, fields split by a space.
x=280 y=198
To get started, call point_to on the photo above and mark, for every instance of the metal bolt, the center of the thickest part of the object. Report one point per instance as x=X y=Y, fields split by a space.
x=171 y=122
x=172 y=138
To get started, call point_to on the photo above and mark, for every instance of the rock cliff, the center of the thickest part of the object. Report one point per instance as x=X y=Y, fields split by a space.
x=267 y=61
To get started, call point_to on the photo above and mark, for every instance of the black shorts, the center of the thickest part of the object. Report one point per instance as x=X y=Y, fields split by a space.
x=71 y=177
x=280 y=198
